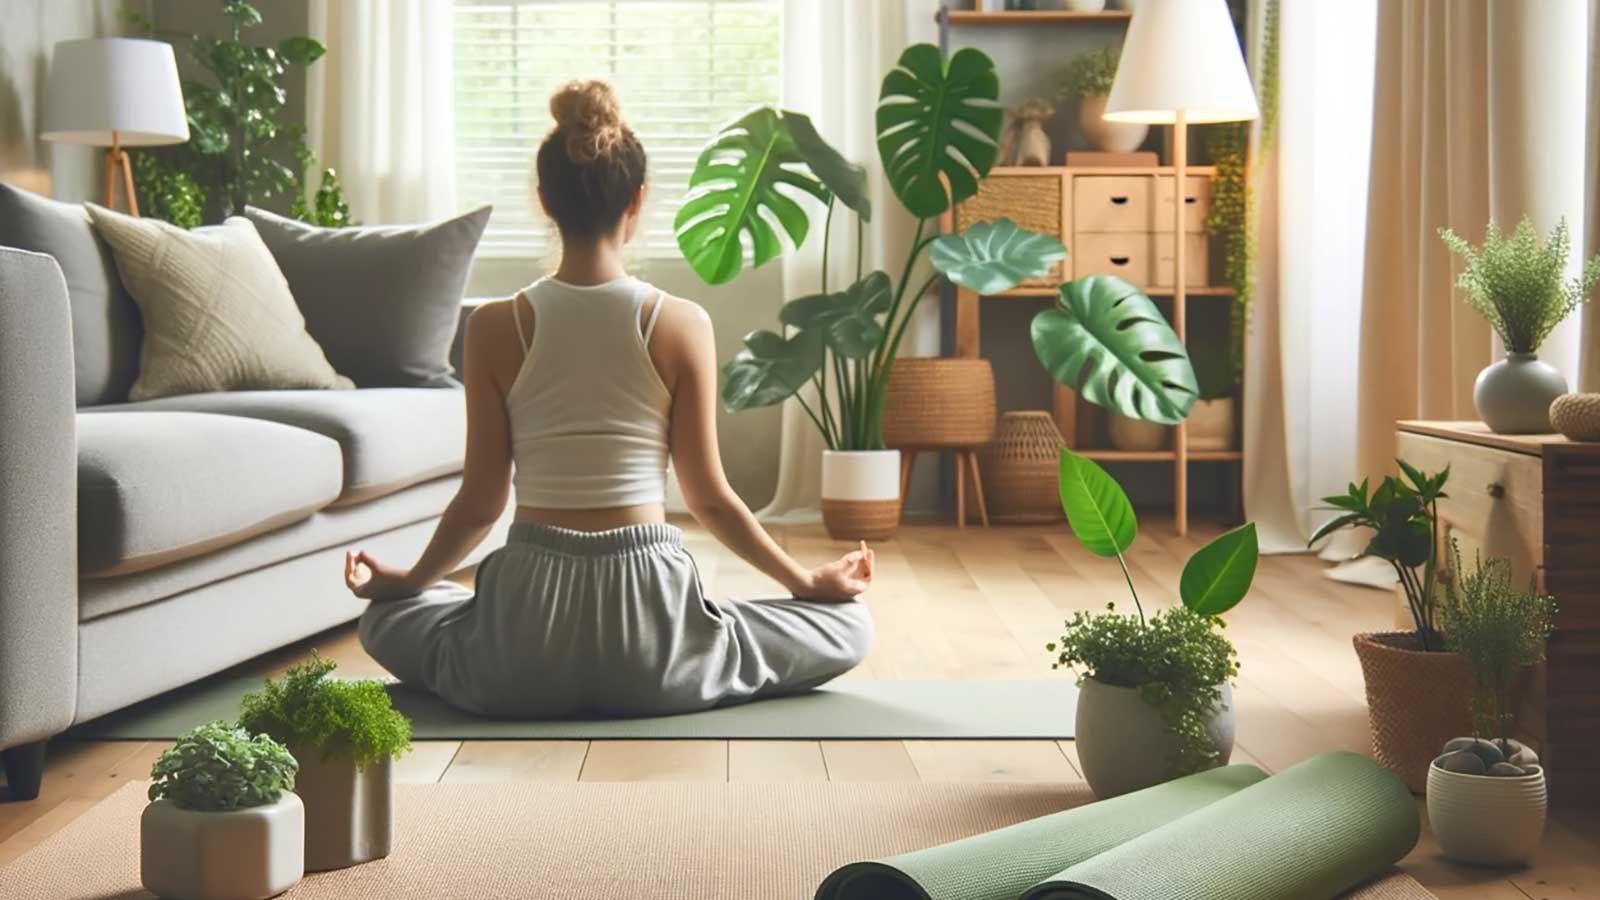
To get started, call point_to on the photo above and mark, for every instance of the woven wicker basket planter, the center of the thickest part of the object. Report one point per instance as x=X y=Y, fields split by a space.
x=861 y=494
x=1020 y=469
x=1416 y=702
x=938 y=402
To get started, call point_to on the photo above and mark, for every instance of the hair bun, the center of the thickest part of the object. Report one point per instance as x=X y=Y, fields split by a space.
x=589 y=118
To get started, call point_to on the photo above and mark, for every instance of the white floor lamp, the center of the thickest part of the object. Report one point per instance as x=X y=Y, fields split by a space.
x=1181 y=66
x=115 y=93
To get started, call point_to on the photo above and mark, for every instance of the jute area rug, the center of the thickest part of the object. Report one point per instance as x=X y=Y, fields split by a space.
x=533 y=841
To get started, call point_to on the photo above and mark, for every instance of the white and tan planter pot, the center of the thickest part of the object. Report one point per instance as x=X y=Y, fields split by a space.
x=246 y=854
x=1111 y=137
x=1124 y=745
x=1487 y=820
x=1211 y=424
x=1137 y=434
x=861 y=494
x=349 y=811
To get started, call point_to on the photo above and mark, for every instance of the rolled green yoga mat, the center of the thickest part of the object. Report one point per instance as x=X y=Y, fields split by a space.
x=1308 y=833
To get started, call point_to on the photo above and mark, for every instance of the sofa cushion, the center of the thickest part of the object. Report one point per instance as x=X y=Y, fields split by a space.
x=391 y=437
x=106 y=329
x=154 y=488
x=382 y=300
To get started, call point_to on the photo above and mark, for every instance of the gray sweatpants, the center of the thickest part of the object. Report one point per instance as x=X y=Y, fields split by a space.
x=606 y=623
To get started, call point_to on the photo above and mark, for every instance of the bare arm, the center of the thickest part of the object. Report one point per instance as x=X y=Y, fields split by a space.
x=485 y=479
x=689 y=355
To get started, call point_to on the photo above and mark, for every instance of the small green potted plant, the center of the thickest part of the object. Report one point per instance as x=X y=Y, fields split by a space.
x=1416 y=687
x=1088 y=79
x=1518 y=284
x=1486 y=793
x=1156 y=700
x=222 y=823
x=345 y=735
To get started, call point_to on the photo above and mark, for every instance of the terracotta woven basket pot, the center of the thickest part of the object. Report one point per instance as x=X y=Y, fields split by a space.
x=1020 y=469
x=933 y=402
x=1416 y=702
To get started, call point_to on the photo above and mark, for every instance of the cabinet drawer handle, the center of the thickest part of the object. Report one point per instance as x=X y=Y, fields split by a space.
x=1120 y=260
x=1118 y=201
x=1495 y=490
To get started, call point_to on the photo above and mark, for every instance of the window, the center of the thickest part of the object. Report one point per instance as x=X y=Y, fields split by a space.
x=681 y=69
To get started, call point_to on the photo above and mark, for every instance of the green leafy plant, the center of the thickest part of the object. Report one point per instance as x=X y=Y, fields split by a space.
x=1110 y=343
x=1091 y=74
x=1178 y=658
x=1404 y=517
x=938 y=127
x=221 y=767
x=237 y=143
x=1517 y=282
x=1501 y=630
x=343 y=718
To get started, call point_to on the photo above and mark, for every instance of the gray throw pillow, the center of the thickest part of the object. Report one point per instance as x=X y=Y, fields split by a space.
x=383 y=300
x=106 y=329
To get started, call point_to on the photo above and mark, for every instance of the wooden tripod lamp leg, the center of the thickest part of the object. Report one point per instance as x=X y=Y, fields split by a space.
x=119 y=167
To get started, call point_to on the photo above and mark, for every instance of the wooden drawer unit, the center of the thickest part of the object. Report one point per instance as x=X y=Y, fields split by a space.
x=1135 y=203
x=1145 y=259
x=1535 y=500
x=1033 y=201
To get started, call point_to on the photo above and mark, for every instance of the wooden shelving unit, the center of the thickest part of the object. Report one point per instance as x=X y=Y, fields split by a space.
x=1035 y=16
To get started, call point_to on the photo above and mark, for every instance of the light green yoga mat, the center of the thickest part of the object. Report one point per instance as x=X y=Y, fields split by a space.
x=1311 y=832
x=842 y=710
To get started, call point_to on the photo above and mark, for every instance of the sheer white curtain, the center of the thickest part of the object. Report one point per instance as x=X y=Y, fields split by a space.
x=381 y=107
x=835 y=53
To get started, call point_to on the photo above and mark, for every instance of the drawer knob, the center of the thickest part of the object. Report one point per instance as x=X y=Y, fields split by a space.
x=1119 y=260
x=1495 y=490
x=1191 y=200
x=1118 y=201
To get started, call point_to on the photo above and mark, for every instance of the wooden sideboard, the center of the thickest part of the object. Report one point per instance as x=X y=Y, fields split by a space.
x=1535 y=500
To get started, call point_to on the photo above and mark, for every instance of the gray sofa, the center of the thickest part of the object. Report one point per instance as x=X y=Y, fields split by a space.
x=145 y=545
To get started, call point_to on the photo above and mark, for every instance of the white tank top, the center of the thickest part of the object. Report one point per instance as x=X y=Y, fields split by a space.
x=588 y=409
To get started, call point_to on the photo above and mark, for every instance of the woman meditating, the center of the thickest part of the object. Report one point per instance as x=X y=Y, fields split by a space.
x=583 y=385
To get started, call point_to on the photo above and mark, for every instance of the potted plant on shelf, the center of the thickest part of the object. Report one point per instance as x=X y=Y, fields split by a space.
x=1518 y=284
x=938 y=125
x=222 y=823
x=1156 y=702
x=1416 y=688
x=345 y=734
x=1088 y=80
x=1486 y=794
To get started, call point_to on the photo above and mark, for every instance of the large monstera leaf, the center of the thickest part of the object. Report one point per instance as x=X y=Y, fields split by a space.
x=732 y=191
x=991 y=258
x=847 y=321
x=1109 y=342
x=845 y=179
x=935 y=119
x=770 y=369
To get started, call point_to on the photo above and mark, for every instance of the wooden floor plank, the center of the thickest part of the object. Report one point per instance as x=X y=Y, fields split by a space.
x=426 y=762
x=776 y=761
x=1030 y=761
x=480 y=762
x=868 y=761
x=656 y=761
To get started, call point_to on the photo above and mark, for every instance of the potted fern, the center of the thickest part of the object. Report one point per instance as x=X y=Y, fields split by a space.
x=1088 y=79
x=222 y=823
x=938 y=124
x=1517 y=283
x=345 y=735
x=1486 y=793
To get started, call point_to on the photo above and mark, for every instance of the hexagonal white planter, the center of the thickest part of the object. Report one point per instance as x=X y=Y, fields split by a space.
x=246 y=854
x=349 y=811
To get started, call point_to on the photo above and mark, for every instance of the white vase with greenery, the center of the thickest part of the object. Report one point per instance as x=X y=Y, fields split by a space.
x=1088 y=79
x=1518 y=283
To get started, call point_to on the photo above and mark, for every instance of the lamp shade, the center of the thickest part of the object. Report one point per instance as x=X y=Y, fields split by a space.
x=1181 y=55
x=123 y=85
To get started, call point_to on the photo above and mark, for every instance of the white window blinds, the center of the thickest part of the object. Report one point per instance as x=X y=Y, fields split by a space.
x=681 y=69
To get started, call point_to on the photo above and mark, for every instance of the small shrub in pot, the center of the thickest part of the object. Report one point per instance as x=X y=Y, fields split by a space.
x=345 y=734
x=222 y=823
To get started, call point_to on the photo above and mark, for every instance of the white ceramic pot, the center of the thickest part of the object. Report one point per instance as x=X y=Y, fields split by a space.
x=1124 y=745
x=1211 y=424
x=246 y=854
x=1115 y=137
x=1513 y=396
x=1484 y=819
x=861 y=494
x=1136 y=434
x=1086 y=5
x=349 y=811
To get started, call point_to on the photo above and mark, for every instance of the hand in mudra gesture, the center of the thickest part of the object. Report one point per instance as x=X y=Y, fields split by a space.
x=843 y=579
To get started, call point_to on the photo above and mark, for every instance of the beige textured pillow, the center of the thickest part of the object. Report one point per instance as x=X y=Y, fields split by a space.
x=218 y=315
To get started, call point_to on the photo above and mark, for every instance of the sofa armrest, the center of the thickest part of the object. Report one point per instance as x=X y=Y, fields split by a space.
x=38 y=501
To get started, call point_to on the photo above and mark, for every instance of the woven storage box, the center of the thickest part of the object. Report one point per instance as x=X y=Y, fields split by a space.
x=935 y=402
x=1031 y=201
x=1577 y=416
x=1020 y=469
x=1416 y=702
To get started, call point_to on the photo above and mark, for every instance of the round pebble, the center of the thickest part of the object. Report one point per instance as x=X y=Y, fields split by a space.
x=1487 y=751
x=1524 y=758
x=1460 y=743
x=1505 y=769
x=1464 y=762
